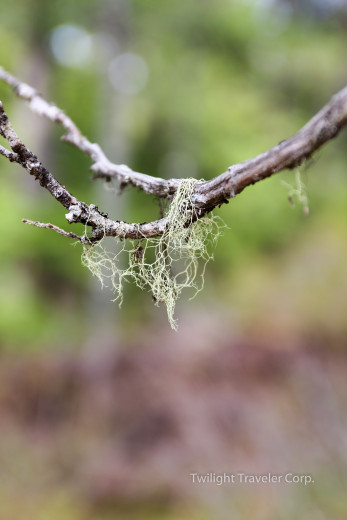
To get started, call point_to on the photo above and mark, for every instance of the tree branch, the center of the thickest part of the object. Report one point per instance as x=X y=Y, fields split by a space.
x=79 y=212
x=101 y=166
x=290 y=153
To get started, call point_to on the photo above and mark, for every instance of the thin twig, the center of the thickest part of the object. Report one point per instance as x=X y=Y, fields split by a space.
x=54 y=228
x=12 y=157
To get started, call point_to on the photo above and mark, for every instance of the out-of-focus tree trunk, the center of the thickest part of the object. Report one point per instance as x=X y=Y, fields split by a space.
x=114 y=24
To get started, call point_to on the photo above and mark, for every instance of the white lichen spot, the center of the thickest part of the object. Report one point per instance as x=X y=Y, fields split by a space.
x=75 y=212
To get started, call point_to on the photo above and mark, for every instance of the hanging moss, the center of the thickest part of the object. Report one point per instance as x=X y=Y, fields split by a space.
x=164 y=265
x=298 y=192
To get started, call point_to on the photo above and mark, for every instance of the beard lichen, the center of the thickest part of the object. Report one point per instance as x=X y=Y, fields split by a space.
x=298 y=192
x=164 y=265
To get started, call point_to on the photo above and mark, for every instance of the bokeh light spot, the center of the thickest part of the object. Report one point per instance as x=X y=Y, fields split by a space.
x=71 y=45
x=128 y=73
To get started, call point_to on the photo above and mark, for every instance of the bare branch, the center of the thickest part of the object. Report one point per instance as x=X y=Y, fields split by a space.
x=325 y=125
x=101 y=166
x=29 y=161
x=78 y=211
x=290 y=153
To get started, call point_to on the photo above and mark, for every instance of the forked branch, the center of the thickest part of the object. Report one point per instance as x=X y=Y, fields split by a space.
x=78 y=211
x=290 y=153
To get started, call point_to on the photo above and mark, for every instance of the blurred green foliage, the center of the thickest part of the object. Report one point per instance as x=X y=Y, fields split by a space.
x=227 y=80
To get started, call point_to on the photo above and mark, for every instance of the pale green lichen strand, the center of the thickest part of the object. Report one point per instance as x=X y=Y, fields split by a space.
x=164 y=265
x=298 y=192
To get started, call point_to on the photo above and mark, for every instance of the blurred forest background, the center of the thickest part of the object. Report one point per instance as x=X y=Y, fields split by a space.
x=105 y=412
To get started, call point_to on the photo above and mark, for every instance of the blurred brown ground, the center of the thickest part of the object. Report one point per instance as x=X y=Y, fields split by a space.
x=130 y=425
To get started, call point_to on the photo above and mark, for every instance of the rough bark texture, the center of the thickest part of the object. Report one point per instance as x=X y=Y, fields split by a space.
x=290 y=153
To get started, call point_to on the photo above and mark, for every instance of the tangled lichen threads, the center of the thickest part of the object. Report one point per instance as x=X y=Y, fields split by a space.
x=105 y=266
x=298 y=192
x=167 y=264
